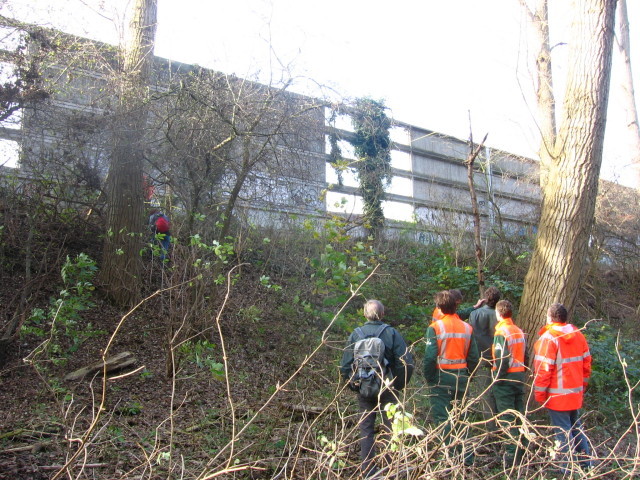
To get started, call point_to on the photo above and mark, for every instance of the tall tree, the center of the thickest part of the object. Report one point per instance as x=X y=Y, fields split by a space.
x=120 y=261
x=633 y=127
x=573 y=156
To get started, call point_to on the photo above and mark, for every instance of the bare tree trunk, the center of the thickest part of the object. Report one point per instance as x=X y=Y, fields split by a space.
x=569 y=194
x=544 y=92
x=473 y=154
x=120 y=272
x=624 y=47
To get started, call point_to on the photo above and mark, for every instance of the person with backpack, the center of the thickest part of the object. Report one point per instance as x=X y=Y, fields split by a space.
x=450 y=356
x=377 y=364
x=160 y=226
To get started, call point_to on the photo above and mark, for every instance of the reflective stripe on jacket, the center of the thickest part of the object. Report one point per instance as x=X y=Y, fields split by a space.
x=454 y=339
x=513 y=346
x=562 y=366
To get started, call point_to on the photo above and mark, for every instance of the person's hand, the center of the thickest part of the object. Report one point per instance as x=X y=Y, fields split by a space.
x=480 y=302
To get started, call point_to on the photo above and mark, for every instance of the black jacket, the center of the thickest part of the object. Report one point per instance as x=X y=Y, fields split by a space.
x=396 y=352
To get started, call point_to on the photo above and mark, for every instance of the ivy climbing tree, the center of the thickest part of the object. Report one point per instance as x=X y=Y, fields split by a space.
x=373 y=166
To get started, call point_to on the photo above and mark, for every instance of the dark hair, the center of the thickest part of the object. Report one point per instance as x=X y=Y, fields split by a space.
x=492 y=295
x=446 y=302
x=558 y=313
x=504 y=308
x=457 y=294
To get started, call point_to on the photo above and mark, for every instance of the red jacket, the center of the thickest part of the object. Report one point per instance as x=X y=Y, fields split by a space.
x=562 y=367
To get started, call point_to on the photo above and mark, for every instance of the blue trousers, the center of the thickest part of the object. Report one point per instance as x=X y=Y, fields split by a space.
x=571 y=437
x=164 y=240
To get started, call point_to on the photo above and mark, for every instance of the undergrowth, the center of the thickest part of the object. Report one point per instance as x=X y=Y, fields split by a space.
x=255 y=331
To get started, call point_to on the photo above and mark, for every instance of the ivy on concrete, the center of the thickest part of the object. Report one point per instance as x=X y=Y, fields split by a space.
x=372 y=146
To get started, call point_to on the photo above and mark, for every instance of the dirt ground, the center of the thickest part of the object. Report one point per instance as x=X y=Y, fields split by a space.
x=45 y=418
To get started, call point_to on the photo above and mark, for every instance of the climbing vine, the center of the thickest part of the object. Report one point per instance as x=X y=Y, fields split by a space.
x=372 y=148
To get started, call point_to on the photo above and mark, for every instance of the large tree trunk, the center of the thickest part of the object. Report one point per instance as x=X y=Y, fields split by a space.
x=569 y=193
x=633 y=127
x=120 y=272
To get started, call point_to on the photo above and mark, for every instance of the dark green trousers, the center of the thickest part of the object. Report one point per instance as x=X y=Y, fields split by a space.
x=451 y=387
x=509 y=395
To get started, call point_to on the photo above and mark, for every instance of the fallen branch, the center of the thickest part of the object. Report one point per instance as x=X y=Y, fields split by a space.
x=305 y=409
x=112 y=364
x=84 y=465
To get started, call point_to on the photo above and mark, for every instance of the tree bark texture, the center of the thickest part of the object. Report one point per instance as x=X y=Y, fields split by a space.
x=569 y=194
x=120 y=273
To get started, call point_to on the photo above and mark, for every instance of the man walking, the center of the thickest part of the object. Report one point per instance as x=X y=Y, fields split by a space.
x=398 y=362
x=509 y=352
x=450 y=356
x=562 y=368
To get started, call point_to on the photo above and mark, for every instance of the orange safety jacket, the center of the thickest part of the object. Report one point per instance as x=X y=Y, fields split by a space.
x=454 y=339
x=515 y=343
x=562 y=366
x=437 y=314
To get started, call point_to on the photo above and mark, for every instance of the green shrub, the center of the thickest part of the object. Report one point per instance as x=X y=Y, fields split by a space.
x=62 y=319
x=615 y=361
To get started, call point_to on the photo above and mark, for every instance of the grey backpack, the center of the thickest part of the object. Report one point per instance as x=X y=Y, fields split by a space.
x=370 y=367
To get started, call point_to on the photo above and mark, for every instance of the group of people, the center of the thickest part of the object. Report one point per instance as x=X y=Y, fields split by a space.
x=489 y=351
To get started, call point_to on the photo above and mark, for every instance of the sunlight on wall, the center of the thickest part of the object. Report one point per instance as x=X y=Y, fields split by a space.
x=398 y=211
x=352 y=205
x=10 y=38
x=399 y=135
x=401 y=160
x=344 y=203
x=346 y=149
x=343 y=122
x=9 y=153
x=349 y=178
x=14 y=121
x=401 y=186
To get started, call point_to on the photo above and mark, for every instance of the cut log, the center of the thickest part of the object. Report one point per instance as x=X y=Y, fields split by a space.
x=115 y=363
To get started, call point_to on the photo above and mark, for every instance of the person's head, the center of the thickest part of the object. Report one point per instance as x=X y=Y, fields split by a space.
x=504 y=309
x=446 y=302
x=457 y=294
x=373 y=310
x=557 y=313
x=492 y=296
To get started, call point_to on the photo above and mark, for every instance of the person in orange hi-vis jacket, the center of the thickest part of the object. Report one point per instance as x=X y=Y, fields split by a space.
x=462 y=313
x=509 y=353
x=451 y=356
x=562 y=368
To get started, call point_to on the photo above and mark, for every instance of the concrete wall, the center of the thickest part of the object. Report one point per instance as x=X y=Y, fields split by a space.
x=72 y=128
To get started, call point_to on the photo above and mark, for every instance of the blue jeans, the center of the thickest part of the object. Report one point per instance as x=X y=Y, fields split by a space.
x=568 y=430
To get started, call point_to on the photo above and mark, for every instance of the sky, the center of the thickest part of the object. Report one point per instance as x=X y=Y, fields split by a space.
x=448 y=66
